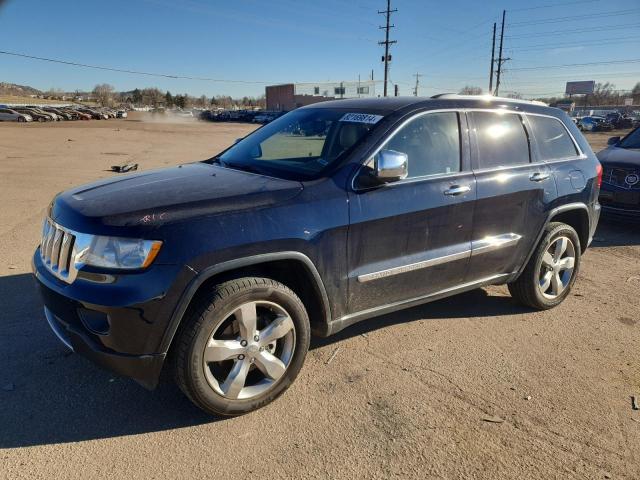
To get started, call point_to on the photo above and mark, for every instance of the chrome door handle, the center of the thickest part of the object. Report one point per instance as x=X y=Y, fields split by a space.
x=457 y=190
x=539 y=177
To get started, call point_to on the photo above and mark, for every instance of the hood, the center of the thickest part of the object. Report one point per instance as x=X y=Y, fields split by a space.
x=156 y=197
x=620 y=156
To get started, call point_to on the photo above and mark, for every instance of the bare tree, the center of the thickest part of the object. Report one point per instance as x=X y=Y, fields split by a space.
x=470 y=90
x=104 y=94
x=635 y=93
x=515 y=95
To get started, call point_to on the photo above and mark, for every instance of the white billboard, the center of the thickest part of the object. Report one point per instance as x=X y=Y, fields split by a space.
x=580 y=88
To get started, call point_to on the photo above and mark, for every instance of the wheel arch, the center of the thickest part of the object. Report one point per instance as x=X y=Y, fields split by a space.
x=294 y=269
x=575 y=215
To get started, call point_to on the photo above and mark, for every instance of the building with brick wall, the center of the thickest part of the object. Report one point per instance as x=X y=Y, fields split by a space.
x=289 y=96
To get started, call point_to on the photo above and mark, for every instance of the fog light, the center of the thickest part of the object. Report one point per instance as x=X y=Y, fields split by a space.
x=94 y=321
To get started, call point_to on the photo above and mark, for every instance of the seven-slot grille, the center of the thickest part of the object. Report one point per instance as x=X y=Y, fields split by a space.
x=56 y=250
x=618 y=176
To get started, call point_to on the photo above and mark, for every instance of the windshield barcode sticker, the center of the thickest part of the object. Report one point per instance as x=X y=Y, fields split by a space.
x=361 y=118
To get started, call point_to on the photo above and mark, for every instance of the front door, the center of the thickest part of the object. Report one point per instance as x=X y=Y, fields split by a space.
x=411 y=238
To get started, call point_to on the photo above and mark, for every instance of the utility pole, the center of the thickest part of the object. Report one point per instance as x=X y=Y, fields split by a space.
x=493 y=59
x=396 y=90
x=387 y=42
x=500 y=59
x=415 y=90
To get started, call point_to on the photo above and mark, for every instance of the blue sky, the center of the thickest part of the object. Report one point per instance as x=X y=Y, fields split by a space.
x=279 y=41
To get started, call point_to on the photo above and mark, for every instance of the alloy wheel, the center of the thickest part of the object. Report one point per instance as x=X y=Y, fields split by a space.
x=556 y=268
x=250 y=350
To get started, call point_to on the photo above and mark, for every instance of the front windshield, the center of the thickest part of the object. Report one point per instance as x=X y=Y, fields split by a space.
x=300 y=144
x=632 y=140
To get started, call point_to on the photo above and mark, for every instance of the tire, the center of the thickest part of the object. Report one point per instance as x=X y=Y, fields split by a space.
x=550 y=273
x=217 y=364
x=21 y=119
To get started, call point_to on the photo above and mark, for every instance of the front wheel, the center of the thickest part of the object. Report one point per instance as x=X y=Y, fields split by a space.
x=552 y=269
x=22 y=119
x=241 y=345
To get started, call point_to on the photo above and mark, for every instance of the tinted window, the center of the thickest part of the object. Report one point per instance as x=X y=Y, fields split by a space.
x=552 y=138
x=502 y=139
x=632 y=140
x=432 y=143
x=300 y=144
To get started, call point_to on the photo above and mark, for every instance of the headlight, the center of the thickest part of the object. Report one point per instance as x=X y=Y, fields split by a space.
x=115 y=252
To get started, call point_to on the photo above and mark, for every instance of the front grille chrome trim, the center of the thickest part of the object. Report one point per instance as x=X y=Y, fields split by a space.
x=57 y=251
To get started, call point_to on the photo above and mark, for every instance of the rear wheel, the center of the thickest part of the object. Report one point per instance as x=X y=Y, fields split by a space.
x=241 y=346
x=22 y=119
x=551 y=272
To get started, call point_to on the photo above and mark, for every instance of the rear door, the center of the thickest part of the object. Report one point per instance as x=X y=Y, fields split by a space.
x=412 y=237
x=513 y=193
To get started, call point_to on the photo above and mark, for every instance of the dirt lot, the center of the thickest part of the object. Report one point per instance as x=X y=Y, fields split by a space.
x=407 y=395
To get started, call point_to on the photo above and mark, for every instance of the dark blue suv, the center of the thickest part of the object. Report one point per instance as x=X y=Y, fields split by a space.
x=219 y=271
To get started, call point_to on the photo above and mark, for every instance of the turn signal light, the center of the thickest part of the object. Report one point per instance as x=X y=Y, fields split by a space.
x=599 y=174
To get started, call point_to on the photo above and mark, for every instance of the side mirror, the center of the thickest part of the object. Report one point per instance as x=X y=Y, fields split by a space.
x=390 y=166
x=613 y=141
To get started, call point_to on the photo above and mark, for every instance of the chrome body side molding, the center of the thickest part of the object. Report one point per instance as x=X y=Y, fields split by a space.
x=478 y=247
x=367 y=277
x=495 y=242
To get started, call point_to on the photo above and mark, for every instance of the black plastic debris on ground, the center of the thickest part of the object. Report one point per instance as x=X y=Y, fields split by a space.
x=129 y=167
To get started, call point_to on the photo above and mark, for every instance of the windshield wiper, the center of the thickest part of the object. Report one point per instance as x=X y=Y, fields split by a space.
x=243 y=167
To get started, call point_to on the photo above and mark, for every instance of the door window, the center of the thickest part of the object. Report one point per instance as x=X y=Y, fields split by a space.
x=502 y=139
x=552 y=138
x=431 y=142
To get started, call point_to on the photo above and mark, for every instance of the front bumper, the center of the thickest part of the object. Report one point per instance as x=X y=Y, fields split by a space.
x=619 y=202
x=144 y=369
x=119 y=325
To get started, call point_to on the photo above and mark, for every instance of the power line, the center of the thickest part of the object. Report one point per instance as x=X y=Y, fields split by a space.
x=133 y=72
x=537 y=7
x=387 y=42
x=612 y=62
x=573 y=31
x=542 y=46
x=572 y=18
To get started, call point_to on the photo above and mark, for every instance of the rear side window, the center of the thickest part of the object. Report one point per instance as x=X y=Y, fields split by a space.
x=502 y=139
x=431 y=142
x=552 y=138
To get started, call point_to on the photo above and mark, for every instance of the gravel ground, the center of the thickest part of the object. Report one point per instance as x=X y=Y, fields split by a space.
x=473 y=386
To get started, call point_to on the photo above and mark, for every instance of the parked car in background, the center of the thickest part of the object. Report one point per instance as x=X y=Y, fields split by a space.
x=10 y=115
x=121 y=114
x=37 y=116
x=219 y=271
x=620 y=192
x=594 y=124
x=52 y=115
x=75 y=114
x=63 y=115
x=94 y=113
x=183 y=113
x=619 y=120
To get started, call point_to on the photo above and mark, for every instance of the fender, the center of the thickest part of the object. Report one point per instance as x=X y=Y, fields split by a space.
x=552 y=213
x=230 y=265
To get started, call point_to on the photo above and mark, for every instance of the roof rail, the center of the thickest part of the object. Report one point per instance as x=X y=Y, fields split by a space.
x=487 y=98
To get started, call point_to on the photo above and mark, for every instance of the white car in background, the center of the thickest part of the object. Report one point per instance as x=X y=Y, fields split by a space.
x=8 y=115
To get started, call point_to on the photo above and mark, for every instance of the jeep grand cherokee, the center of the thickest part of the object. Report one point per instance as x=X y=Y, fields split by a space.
x=220 y=270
